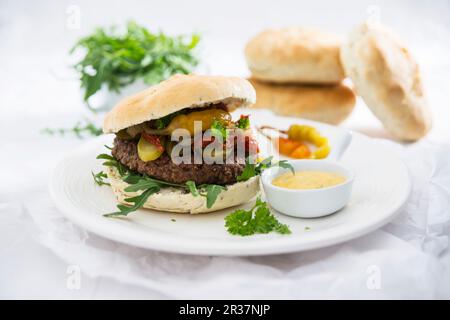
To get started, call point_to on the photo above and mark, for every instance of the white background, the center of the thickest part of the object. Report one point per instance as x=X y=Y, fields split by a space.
x=36 y=37
x=39 y=89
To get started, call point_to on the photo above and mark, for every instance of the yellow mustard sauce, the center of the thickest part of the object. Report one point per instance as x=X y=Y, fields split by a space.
x=308 y=180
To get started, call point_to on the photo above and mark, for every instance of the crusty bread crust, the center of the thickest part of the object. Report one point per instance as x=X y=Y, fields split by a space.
x=387 y=77
x=176 y=200
x=331 y=104
x=176 y=93
x=295 y=55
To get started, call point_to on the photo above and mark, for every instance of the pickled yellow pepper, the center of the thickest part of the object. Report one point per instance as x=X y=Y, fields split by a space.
x=310 y=134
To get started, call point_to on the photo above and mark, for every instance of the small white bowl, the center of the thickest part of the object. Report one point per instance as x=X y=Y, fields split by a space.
x=309 y=203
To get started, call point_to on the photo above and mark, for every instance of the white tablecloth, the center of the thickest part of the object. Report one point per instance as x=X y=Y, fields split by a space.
x=41 y=252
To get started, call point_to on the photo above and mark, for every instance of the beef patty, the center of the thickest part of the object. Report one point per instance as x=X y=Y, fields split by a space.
x=164 y=169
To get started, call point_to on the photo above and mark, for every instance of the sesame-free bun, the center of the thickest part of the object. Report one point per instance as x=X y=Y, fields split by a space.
x=177 y=200
x=176 y=93
x=331 y=104
x=388 y=79
x=295 y=55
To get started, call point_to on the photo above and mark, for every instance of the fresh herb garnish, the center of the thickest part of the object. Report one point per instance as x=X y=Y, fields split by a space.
x=243 y=122
x=285 y=165
x=192 y=188
x=99 y=178
x=163 y=122
x=252 y=169
x=149 y=186
x=137 y=201
x=80 y=130
x=116 y=60
x=211 y=193
x=218 y=130
x=110 y=161
x=258 y=219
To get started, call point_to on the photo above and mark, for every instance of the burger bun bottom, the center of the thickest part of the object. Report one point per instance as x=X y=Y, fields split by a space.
x=177 y=200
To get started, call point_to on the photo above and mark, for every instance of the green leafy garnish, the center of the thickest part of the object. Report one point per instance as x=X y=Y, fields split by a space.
x=218 y=130
x=137 y=202
x=163 y=122
x=116 y=60
x=81 y=130
x=285 y=165
x=253 y=169
x=138 y=182
x=211 y=193
x=258 y=219
x=243 y=122
x=192 y=188
x=248 y=172
x=99 y=178
x=110 y=161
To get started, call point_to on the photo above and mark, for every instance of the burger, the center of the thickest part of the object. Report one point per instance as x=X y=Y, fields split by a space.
x=177 y=148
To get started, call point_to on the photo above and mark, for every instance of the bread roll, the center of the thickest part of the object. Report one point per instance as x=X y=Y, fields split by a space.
x=331 y=104
x=176 y=93
x=295 y=55
x=387 y=77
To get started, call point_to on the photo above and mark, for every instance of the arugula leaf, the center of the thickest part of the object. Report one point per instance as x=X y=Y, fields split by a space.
x=218 y=130
x=252 y=169
x=192 y=188
x=142 y=184
x=286 y=165
x=138 y=182
x=105 y=156
x=112 y=162
x=117 y=59
x=163 y=122
x=243 y=122
x=258 y=219
x=131 y=177
x=99 y=178
x=248 y=172
x=145 y=183
x=137 y=201
x=212 y=192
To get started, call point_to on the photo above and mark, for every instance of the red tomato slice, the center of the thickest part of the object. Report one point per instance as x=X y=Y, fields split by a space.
x=154 y=140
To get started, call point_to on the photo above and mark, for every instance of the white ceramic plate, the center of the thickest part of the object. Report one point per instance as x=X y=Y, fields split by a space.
x=380 y=189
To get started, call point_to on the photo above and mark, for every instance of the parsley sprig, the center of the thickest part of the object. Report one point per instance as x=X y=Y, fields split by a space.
x=259 y=219
x=117 y=59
